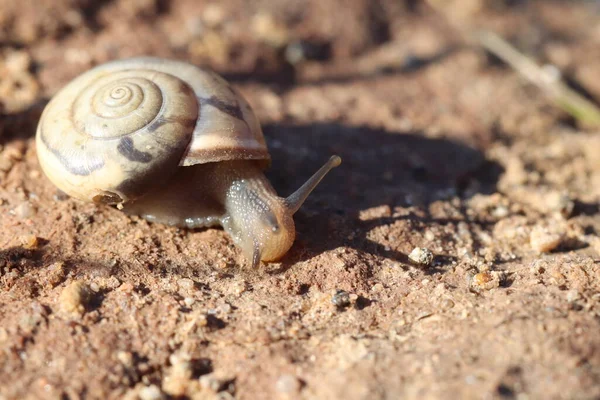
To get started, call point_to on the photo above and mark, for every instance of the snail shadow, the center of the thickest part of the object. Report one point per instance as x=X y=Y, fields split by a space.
x=43 y=255
x=20 y=125
x=380 y=171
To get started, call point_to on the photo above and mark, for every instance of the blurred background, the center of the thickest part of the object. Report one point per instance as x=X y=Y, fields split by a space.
x=467 y=128
x=437 y=69
x=281 y=42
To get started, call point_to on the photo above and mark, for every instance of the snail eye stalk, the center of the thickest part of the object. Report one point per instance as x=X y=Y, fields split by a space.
x=296 y=199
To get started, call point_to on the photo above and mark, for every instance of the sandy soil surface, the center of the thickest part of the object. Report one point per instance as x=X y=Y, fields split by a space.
x=444 y=148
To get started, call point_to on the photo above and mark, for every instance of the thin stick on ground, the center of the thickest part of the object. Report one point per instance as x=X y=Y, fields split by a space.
x=580 y=108
x=566 y=98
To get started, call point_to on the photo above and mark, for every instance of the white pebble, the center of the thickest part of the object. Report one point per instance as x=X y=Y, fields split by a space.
x=24 y=210
x=544 y=241
x=288 y=384
x=572 y=296
x=151 y=392
x=421 y=255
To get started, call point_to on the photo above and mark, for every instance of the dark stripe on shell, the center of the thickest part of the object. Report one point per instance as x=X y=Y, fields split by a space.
x=76 y=163
x=230 y=89
x=160 y=121
x=229 y=109
x=128 y=150
x=185 y=89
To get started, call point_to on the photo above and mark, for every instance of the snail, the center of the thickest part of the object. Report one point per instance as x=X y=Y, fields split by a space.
x=174 y=144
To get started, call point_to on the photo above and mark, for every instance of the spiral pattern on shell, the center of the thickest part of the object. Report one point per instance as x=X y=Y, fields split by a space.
x=121 y=128
x=123 y=131
x=120 y=104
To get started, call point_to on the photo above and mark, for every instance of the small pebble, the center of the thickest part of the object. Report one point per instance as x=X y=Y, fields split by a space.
x=557 y=278
x=181 y=365
x=566 y=205
x=544 y=241
x=113 y=282
x=15 y=151
x=151 y=392
x=75 y=297
x=377 y=288
x=421 y=255
x=486 y=280
x=25 y=210
x=175 y=382
x=55 y=273
x=538 y=267
x=302 y=50
x=288 y=384
x=572 y=296
x=125 y=357
x=30 y=242
x=202 y=320
x=224 y=308
x=211 y=383
x=189 y=301
x=213 y=15
x=266 y=28
x=500 y=212
x=482 y=278
x=240 y=287
x=6 y=164
x=446 y=304
x=185 y=284
x=341 y=299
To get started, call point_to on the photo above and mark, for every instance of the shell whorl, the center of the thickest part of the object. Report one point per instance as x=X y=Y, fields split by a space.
x=108 y=137
x=124 y=126
x=119 y=104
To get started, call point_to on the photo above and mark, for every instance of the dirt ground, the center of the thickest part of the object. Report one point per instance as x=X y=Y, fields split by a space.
x=443 y=147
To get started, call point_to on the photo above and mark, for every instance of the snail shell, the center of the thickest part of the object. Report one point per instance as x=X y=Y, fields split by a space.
x=124 y=126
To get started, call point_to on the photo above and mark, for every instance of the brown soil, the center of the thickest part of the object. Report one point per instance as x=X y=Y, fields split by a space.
x=444 y=148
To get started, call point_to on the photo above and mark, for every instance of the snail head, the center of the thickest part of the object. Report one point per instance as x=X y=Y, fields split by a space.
x=261 y=222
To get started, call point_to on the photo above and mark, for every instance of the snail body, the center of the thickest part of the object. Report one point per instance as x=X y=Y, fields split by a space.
x=174 y=144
